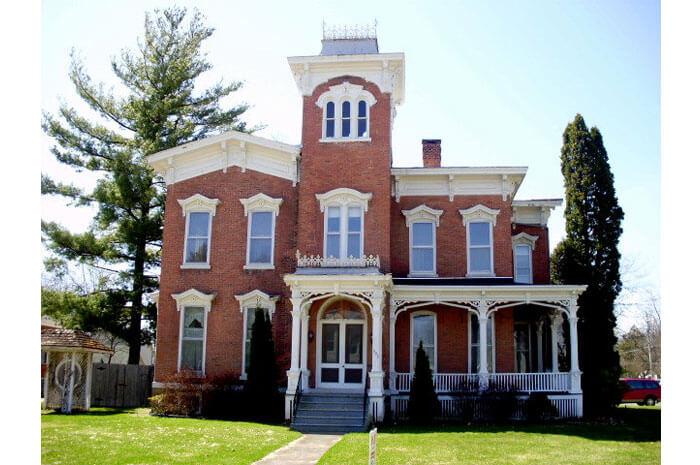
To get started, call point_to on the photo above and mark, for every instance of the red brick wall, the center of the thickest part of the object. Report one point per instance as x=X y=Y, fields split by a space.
x=540 y=256
x=226 y=277
x=363 y=166
x=451 y=235
x=505 y=348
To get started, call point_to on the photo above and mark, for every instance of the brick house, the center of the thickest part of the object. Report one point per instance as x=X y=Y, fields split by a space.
x=357 y=261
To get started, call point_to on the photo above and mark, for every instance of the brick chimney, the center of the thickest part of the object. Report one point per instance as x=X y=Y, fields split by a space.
x=431 y=153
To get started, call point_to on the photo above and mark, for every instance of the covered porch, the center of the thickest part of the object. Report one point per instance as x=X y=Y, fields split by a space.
x=490 y=337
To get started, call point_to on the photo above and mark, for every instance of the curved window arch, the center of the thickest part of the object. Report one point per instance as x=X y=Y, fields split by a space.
x=346 y=113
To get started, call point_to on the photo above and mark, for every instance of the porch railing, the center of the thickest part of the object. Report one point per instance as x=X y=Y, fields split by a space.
x=521 y=382
x=317 y=261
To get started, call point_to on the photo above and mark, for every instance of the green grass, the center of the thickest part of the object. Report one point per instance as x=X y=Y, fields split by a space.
x=113 y=436
x=636 y=441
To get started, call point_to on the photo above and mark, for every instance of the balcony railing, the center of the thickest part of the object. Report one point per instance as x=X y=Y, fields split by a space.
x=318 y=261
x=464 y=382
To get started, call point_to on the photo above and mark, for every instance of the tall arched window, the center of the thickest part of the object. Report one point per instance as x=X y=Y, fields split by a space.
x=330 y=119
x=362 y=126
x=346 y=119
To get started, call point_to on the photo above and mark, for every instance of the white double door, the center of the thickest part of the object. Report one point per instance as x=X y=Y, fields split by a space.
x=342 y=354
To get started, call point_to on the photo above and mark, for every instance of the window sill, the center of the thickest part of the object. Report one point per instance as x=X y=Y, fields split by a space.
x=422 y=274
x=345 y=139
x=480 y=275
x=195 y=266
x=259 y=266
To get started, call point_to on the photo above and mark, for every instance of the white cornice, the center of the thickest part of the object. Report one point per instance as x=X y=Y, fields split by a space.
x=422 y=213
x=479 y=212
x=453 y=181
x=193 y=297
x=344 y=196
x=223 y=151
x=386 y=70
x=198 y=202
x=257 y=298
x=261 y=202
x=533 y=212
x=524 y=239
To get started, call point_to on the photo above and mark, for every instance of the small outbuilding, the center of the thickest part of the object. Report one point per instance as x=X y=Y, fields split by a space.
x=69 y=371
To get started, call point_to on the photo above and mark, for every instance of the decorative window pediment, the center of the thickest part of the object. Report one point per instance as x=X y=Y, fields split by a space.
x=524 y=239
x=198 y=202
x=344 y=196
x=261 y=202
x=422 y=213
x=479 y=213
x=192 y=297
x=257 y=298
x=346 y=91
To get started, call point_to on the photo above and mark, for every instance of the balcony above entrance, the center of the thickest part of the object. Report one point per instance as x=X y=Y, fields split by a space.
x=318 y=265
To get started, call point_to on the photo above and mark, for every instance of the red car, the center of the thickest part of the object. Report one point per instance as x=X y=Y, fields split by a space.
x=641 y=391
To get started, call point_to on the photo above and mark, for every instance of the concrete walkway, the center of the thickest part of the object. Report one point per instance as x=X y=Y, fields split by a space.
x=307 y=450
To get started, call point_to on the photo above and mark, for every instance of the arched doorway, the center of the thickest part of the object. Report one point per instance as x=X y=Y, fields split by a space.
x=342 y=348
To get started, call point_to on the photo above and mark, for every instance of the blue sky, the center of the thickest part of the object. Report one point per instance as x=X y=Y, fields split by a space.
x=496 y=81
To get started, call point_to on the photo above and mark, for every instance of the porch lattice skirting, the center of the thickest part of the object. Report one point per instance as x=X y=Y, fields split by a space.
x=452 y=407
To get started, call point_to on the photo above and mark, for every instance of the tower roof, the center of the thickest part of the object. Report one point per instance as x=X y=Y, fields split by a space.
x=349 y=40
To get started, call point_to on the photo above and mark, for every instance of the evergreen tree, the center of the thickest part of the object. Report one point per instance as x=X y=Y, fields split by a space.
x=159 y=110
x=589 y=255
x=423 y=403
x=261 y=390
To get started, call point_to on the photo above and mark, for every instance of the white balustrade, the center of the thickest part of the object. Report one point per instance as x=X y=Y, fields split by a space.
x=520 y=382
x=317 y=261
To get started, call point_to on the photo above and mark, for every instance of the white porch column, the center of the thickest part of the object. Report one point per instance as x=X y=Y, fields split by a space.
x=575 y=372
x=376 y=376
x=540 y=355
x=556 y=323
x=392 y=348
x=294 y=371
x=483 y=347
x=305 y=348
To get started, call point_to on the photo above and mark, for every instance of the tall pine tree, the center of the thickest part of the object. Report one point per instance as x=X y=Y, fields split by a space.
x=423 y=403
x=160 y=109
x=589 y=255
x=261 y=388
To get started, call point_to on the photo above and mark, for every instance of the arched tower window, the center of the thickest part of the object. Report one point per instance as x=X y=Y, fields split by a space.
x=353 y=103
x=330 y=119
x=362 y=126
x=346 y=119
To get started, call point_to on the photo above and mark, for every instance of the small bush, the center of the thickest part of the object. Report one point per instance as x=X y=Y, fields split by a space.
x=423 y=403
x=539 y=408
x=182 y=396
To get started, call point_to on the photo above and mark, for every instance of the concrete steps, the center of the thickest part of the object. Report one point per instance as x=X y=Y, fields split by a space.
x=330 y=413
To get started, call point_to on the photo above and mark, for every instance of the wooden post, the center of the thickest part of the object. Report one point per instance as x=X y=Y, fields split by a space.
x=373 y=447
x=67 y=404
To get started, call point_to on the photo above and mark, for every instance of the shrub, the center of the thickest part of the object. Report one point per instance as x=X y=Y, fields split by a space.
x=539 y=408
x=182 y=396
x=423 y=404
x=261 y=392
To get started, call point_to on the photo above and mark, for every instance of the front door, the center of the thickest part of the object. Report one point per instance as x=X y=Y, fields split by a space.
x=342 y=352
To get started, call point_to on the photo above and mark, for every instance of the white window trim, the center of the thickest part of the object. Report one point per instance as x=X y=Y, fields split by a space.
x=493 y=346
x=253 y=299
x=344 y=198
x=197 y=203
x=260 y=203
x=435 y=338
x=480 y=214
x=193 y=298
x=338 y=94
x=422 y=214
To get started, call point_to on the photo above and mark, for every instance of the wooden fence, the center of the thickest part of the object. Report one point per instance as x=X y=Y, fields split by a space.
x=121 y=385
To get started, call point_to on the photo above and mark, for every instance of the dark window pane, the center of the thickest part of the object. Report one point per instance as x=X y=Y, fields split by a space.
x=346 y=109
x=329 y=375
x=191 y=355
x=353 y=344
x=362 y=128
x=330 y=110
x=346 y=128
x=330 y=128
x=362 y=109
x=199 y=224
x=330 y=340
x=353 y=375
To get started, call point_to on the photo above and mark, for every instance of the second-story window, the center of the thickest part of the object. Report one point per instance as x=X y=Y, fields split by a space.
x=523 y=264
x=344 y=231
x=197 y=243
x=422 y=248
x=480 y=248
x=261 y=237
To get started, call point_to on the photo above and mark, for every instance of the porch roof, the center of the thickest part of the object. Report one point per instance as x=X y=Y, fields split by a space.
x=59 y=339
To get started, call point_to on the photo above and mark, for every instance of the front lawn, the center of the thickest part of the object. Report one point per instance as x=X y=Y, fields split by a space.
x=114 y=436
x=637 y=441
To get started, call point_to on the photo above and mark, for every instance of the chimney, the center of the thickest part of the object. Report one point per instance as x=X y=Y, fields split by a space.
x=431 y=153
